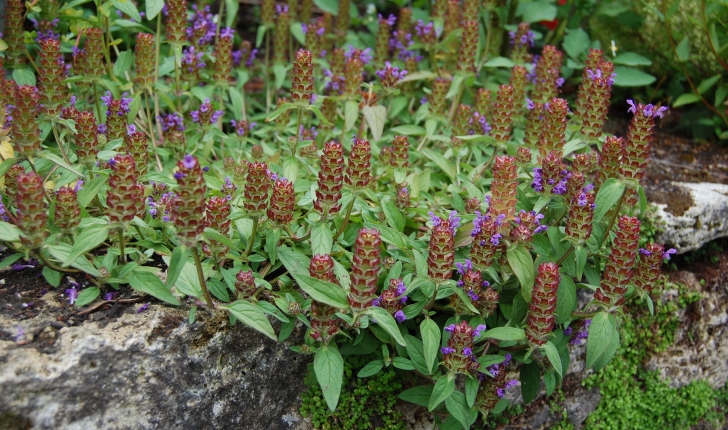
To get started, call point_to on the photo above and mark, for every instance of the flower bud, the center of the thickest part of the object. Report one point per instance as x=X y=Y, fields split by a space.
x=502 y=111
x=579 y=219
x=223 y=57
x=217 y=217
x=648 y=267
x=468 y=44
x=189 y=208
x=67 y=214
x=619 y=268
x=638 y=145
x=51 y=73
x=176 y=21
x=116 y=115
x=439 y=8
x=461 y=124
x=281 y=35
x=381 y=50
x=358 y=171
x=365 y=265
x=206 y=115
x=521 y=40
x=302 y=78
x=542 y=310
x=548 y=70
x=245 y=284
x=87 y=144
x=504 y=188
x=534 y=121
x=330 y=178
x=145 y=61
x=30 y=210
x=458 y=355
x=282 y=202
x=393 y=299
x=591 y=65
x=597 y=100
x=442 y=247
x=553 y=130
x=25 y=130
x=400 y=152
x=125 y=196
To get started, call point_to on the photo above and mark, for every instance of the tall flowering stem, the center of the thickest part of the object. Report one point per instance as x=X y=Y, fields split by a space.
x=504 y=188
x=648 y=266
x=365 y=265
x=145 y=60
x=619 y=269
x=256 y=196
x=542 y=311
x=597 y=100
x=25 y=130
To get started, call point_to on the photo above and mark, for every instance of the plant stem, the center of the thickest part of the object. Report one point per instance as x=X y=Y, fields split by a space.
x=121 y=245
x=566 y=255
x=53 y=266
x=98 y=104
x=346 y=218
x=177 y=80
x=614 y=218
x=251 y=242
x=267 y=72
x=148 y=100
x=54 y=126
x=201 y=277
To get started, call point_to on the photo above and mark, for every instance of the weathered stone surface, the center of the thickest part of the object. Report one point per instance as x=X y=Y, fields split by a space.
x=691 y=215
x=154 y=371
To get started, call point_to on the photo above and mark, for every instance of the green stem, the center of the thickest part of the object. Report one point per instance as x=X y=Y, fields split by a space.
x=54 y=126
x=566 y=255
x=53 y=266
x=177 y=79
x=201 y=277
x=147 y=101
x=140 y=232
x=346 y=218
x=614 y=217
x=98 y=103
x=296 y=131
x=267 y=72
x=45 y=191
x=251 y=242
x=121 y=245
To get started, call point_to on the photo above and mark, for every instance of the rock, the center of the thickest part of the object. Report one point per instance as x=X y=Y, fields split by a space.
x=701 y=342
x=154 y=371
x=689 y=215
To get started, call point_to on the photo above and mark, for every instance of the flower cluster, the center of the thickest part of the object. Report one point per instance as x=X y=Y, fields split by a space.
x=393 y=299
x=458 y=355
x=205 y=114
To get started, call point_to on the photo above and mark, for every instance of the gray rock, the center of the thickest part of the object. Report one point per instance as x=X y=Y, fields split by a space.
x=691 y=215
x=154 y=371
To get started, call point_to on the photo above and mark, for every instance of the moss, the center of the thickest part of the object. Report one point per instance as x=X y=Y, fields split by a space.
x=365 y=403
x=635 y=398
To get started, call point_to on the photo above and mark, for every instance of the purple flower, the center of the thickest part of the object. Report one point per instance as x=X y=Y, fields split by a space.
x=467 y=351
x=537 y=183
x=377 y=302
x=447 y=350
x=228 y=32
x=560 y=82
x=391 y=19
x=530 y=105
x=172 y=121
x=102 y=128
x=495 y=240
x=454 y=221
x=474 y=297
x=72 y=295
x=450 y=328
x=107 y=98
x=567 y=331
x=401 y=288
x=633 y=108
x=110 y=296
x=400 y=316
x=142 y=308
x=478 y=330
x=281 y=8
x=131 y=129
x=20 y=333
x=666 y=255
x=434 y=219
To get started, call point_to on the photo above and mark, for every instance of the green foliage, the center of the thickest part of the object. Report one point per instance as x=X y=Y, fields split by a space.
x=365 y=403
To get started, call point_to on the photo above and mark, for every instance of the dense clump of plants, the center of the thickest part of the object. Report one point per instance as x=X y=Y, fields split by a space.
x=422 y=199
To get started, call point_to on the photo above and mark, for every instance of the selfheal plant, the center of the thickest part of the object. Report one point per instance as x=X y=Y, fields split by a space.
x=432 y=206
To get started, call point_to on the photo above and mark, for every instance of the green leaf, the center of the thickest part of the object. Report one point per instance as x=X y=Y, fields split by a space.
x=499 y=62
x=683 y=50
x=259 y=36
x=522 y=265
x=420 y=263
x=87 y=296
x=505 y=333
x=408 y=130
x=608 y=195
x=486 y=361
x=123 y=63
x=279 y=73
x=232 y=7
x=549 y=380
x=392 y=214
x=444 y=388
x=456 y=404
x=418 y=76
x=536 y=11
x=390 y=235
x=321 y=239
x=51 y=276
x=376 y=117
x=296 y=263
x=297 y=32
x=330 y=6
x=530 y=381
x=316 y=111
x=91 y=237
x=148 y=282
x=576 y=43
x=176 y=263
x=212 y=234
x=351 y=113
x=565 y=300
x=471 y=391
x=419 y=395
x=324 y=291
x=329 y=369
x=252 y=316
x=403 y=363
x=57 y=160
x=599 y=344
x=414 y=351
x=127 y=7
x=371 y=369
x=285 y=107
x=9 y=232
x=236 y=100
x=686 y=99
x=387 y=322
x=60 y=251
x=441 y=162
x=153 y=8
x=24 y=76
x=430 y=341
x=271 y=244
x=217 y=288
x=457 y=82
x=553 y=355
x=631 y=59
x=629 y=77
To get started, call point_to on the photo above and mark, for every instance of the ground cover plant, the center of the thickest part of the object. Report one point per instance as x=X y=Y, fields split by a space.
x=421 y=200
